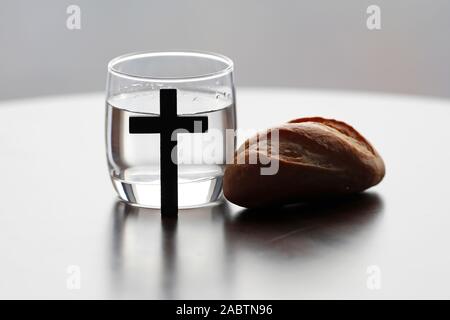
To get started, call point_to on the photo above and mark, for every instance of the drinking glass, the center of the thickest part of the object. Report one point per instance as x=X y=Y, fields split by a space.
x=204 y=87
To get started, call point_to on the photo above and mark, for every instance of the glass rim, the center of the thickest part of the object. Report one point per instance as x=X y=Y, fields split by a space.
x=228 y=68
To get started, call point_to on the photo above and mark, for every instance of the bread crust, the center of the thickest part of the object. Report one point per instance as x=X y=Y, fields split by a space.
x=317 y=157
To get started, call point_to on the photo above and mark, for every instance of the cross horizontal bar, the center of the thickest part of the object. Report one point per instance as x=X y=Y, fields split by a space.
x=143 y=125
x=192 y=124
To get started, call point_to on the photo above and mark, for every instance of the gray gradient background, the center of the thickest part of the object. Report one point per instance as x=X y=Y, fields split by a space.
x=303 y=44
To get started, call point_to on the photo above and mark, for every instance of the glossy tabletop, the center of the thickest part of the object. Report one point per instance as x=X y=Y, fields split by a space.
x=64 y=234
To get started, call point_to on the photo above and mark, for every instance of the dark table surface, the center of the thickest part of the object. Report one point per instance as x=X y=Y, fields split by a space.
x=64 y=234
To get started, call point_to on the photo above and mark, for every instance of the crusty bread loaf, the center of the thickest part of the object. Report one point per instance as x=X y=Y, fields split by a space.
x=317 y=158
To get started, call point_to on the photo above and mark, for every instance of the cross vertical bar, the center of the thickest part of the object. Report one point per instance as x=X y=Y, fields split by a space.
x=168 y=156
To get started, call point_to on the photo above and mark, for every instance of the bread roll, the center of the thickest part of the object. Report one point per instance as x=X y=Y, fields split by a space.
x=317 y=158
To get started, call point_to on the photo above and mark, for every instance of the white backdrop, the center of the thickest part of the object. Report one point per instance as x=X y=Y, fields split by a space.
x=313 y=43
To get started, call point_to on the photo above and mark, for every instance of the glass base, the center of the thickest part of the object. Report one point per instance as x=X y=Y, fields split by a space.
x=190 y=194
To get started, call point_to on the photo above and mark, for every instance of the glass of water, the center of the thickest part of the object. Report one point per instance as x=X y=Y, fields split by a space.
x=204 y=87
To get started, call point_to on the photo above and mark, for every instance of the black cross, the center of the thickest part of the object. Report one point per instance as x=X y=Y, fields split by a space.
x=165 y=125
